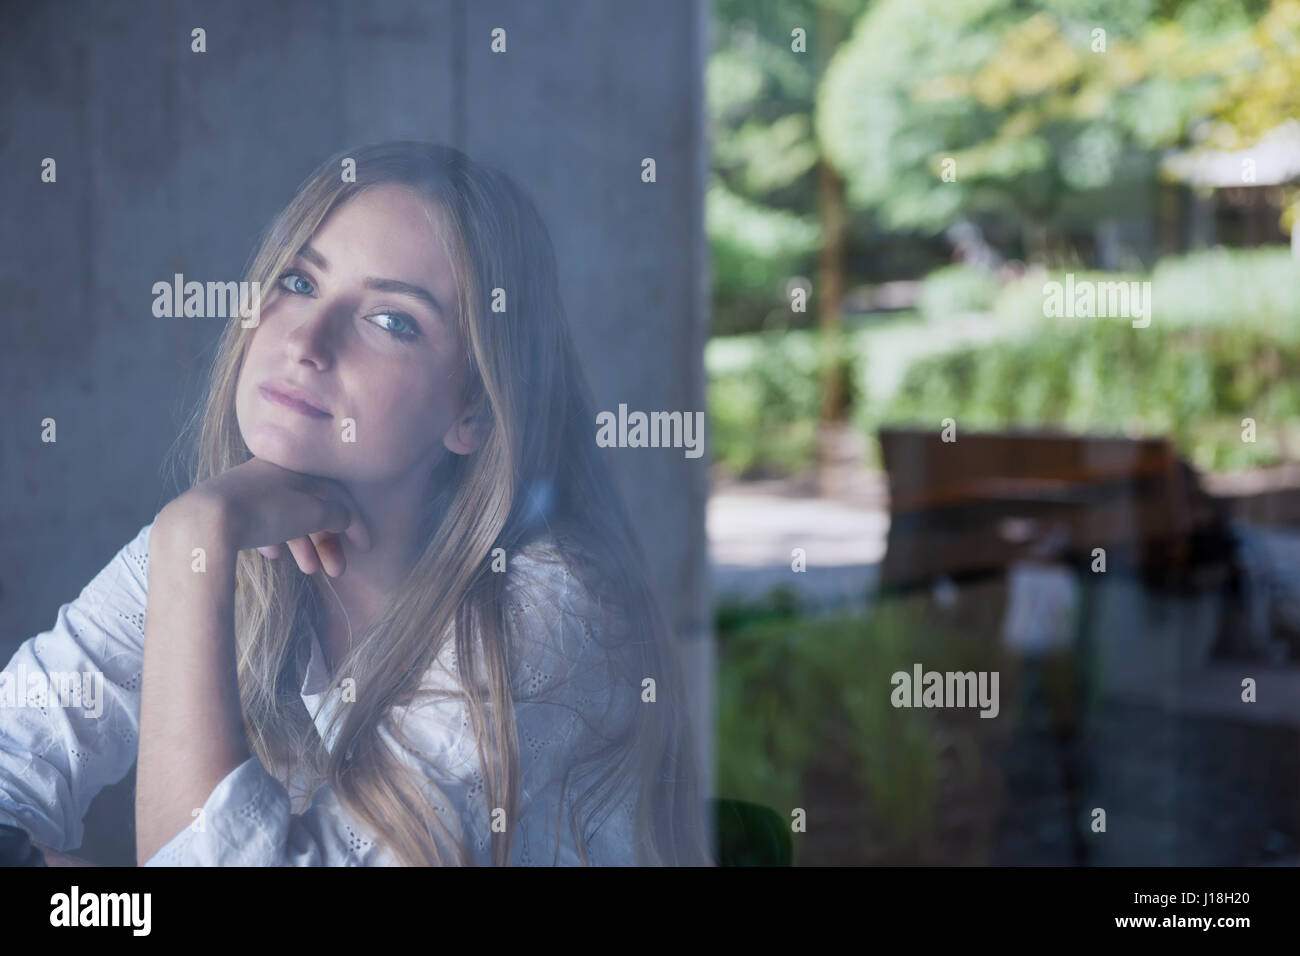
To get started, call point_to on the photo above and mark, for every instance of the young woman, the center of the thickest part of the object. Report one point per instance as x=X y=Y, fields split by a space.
x=400 y=615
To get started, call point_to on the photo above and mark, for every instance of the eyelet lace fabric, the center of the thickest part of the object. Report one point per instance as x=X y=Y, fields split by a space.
x=55 y=758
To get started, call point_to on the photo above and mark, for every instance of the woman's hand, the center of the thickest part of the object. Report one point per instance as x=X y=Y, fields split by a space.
x=263 y=506
x=55 y=858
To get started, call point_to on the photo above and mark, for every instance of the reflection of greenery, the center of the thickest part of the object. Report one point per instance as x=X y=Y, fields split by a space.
x=751 y=835
x=793 y=689
x=768 y=713
x=899 y=765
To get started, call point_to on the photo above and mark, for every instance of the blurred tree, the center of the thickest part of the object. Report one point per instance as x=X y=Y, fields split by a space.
x=768 y=170
x=1261 y=72
x=1261 y=89
x=1052 y=113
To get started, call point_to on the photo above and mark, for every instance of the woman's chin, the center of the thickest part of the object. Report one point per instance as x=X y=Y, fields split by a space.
x=287 y=451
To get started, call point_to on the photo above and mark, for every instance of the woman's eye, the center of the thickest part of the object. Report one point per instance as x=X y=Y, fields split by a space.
x=397 y=324
x=293 y=276
x=401 y=326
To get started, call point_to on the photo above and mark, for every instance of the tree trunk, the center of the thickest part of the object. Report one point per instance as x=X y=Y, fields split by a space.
x=835 y=446
x=830 y=290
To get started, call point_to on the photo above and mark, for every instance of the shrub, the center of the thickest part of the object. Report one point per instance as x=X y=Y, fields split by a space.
x=764 y=401
x=1192 y=385
x=955 y=289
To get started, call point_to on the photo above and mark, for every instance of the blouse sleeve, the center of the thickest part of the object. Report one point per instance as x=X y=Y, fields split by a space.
x=70 y=703
x=567 y=700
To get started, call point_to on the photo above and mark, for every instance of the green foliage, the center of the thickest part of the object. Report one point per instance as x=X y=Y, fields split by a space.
x=789 y=687
x=1194 y=385
x=1226 y=287
x=764 y=396
x=1221 y=346
x=1046 y=132
x=955 y=289
x=883 y=351
x=1041 y=125
x=764 y=392
x=761 y=204
x=754 y=251
x=1261 y=73
x=1213 y=287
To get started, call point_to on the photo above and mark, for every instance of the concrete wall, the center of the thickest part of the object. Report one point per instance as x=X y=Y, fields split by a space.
x=171 y=161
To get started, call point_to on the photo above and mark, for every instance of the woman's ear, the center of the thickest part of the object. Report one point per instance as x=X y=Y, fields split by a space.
x=466 y=434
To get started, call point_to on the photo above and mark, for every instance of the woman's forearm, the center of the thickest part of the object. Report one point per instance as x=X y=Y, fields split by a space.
x=191 y=725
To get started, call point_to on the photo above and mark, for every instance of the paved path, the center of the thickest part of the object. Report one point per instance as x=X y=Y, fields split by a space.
x=753 y=533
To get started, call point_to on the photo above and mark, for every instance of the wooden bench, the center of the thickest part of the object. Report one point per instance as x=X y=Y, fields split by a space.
x=970 y=507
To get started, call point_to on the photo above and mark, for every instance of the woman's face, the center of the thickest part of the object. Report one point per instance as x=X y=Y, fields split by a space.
x=350 y=328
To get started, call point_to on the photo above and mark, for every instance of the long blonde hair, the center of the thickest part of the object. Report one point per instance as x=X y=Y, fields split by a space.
x=537 y=470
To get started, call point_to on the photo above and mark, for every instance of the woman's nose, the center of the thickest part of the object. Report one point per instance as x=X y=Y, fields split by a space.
x=310 y=339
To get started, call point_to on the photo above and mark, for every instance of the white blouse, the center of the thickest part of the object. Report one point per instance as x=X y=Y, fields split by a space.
x=58 y=749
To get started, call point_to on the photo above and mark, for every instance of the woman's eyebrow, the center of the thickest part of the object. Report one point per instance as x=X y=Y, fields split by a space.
x=405 y=288
x=314 y=257
x=379 y=285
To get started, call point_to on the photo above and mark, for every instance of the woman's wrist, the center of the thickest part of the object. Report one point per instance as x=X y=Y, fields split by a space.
x=201 y=518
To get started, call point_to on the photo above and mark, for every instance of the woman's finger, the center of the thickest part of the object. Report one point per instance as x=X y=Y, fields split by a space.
x=271 y=551
x=358 y=533
x=356 y=530
x=330 y=551
x=304 y=552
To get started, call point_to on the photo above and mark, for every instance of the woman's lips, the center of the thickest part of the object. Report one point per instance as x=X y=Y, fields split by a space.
x=279 y=398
